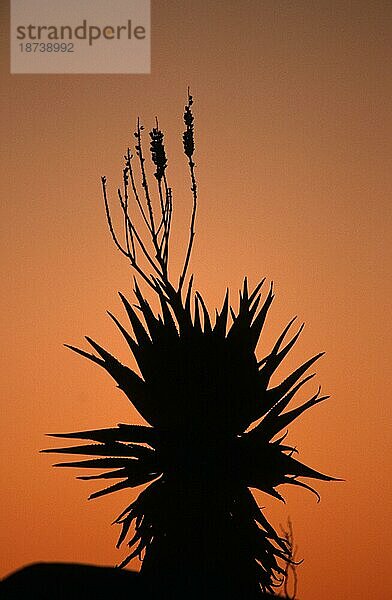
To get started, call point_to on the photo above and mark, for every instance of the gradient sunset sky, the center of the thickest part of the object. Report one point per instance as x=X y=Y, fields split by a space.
x=293 y=154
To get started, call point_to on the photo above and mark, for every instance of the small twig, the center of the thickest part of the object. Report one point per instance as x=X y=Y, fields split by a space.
x=291 y=563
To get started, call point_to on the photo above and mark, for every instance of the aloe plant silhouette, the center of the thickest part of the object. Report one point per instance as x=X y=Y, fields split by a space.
x=216 y=425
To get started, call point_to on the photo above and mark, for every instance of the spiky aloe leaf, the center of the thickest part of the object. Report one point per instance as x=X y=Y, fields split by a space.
x=121 y=433
x=222 y=318
x=141 y=335
x=127 y=380
x=107 y=449
x=201 y=388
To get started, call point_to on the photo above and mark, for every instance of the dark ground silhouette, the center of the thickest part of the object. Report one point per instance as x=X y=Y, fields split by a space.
x=68 y=581
x=60 y=581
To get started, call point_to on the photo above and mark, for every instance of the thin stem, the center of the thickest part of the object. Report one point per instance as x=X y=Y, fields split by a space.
x=152 y=284
x=138 y=238
x=144 y=180
x=109 y=220
x=128 y=231
x=134 y=189
x=192 y=225
x=168 y=215
x=159 y=183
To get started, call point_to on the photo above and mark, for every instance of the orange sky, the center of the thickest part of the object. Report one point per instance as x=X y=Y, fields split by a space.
x=292 y=101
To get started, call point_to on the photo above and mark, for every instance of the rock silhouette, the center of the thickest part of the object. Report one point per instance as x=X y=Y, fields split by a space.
x=67 y=581
x=61 y=581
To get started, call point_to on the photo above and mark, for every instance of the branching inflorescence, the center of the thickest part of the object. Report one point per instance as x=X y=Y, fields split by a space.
x=156 y=219
x=216 y=425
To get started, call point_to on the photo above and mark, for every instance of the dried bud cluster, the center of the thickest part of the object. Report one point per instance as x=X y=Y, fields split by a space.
x=158 y=154
x=188 y=140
